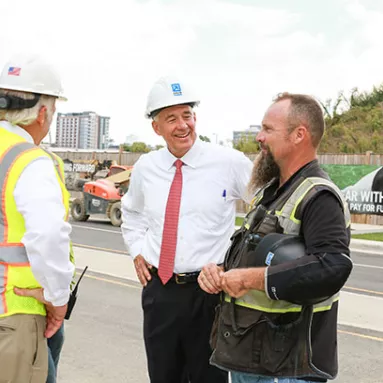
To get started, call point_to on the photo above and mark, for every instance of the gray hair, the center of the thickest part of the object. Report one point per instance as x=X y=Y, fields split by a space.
x=26 y=116
x=155 y=116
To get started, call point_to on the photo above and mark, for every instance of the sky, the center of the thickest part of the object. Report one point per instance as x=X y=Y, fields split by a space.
x=237 y=54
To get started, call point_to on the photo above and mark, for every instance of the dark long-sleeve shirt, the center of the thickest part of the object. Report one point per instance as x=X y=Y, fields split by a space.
x=322 y=272
x=327 y=265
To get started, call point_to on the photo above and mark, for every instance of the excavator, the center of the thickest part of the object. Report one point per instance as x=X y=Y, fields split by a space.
x=103 y=196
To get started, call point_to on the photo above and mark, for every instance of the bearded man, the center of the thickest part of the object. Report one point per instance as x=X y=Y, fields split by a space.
x=277 y=321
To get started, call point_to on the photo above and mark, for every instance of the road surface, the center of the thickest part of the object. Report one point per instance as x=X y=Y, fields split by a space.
x=104 y=337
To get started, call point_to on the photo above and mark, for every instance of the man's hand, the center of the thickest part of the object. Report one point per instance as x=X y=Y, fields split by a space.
x=55 y=318
x=233 y=283
x=142 y=269
x=55 y=314
x=238 y=282
x=209 y=278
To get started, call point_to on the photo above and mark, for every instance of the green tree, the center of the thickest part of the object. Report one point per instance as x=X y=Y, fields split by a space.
x=139 y=147
x=247 y=144
x=204 y=138
x=354 y=124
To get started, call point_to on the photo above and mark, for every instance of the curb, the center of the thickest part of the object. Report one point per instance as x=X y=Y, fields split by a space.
x=362 y=245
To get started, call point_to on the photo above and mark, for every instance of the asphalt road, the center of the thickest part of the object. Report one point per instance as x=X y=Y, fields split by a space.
x=104 y=339
x=366 y=278
x=104 y=336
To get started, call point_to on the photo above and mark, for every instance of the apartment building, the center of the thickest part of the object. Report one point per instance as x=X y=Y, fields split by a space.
x=85 y=130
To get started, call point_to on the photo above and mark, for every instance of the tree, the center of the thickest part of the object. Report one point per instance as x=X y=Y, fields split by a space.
x=204 y=138
x=136 y=147
x=354 y=124
x=247 y=144
x=139 y=147
x=127 y=147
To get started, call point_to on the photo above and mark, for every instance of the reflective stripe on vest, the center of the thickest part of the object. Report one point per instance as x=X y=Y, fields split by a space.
x=15 y=155
x=258 y=300
x=286 y=216
x=5 y=163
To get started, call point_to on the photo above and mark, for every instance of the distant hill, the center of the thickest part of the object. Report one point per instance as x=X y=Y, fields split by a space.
x=359 y=128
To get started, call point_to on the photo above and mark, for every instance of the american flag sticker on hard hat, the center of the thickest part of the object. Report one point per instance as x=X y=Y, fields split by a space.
x=176 y=88
x=14 y=71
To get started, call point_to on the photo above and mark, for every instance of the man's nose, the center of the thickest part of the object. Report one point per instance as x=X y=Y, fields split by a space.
x=182 y=123
x=260 y=137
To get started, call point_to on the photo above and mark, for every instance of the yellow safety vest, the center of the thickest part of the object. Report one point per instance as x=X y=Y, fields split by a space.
x=15 y=271
x=258 y=300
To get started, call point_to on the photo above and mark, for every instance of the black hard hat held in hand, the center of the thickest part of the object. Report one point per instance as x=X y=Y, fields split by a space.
x=277 y=249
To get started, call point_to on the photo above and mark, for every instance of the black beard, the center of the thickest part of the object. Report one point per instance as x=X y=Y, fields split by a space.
x=264 y=170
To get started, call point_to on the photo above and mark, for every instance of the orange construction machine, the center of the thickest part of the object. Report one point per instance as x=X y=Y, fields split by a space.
x=103 y=196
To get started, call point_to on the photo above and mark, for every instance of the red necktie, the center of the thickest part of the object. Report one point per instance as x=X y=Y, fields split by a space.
x=169 y=236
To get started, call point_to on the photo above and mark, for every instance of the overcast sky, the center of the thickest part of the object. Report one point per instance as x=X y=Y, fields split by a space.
x=238 y=54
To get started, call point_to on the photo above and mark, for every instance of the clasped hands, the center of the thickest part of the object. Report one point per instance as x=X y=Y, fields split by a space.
x=235 y=282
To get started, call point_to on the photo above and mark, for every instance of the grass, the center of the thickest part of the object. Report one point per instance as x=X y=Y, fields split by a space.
x=238 y=221
x=369 y=236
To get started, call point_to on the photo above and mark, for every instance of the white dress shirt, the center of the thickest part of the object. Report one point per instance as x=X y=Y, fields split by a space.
x=214 y=177
x=39 y=200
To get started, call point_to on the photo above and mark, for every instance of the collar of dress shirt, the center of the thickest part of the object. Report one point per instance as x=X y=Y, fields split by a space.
x=189 y=159
x=17 y=130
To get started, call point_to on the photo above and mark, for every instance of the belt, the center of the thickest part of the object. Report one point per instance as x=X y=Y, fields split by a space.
x=179 y=279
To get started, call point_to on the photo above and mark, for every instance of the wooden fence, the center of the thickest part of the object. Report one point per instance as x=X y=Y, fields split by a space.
x=128 y=158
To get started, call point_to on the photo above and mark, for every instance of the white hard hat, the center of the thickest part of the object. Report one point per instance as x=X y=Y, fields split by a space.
x=31 y=74
x=169 y=91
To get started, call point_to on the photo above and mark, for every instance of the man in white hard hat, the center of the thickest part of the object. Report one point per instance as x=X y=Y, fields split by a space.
x=35 y=270
x=178 y=216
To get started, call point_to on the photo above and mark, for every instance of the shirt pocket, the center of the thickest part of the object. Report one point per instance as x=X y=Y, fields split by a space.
x=213 y=205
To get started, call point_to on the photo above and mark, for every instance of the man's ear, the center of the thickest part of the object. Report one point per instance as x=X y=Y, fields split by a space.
x=42 y=115
x=300 y=133
x=156 y=127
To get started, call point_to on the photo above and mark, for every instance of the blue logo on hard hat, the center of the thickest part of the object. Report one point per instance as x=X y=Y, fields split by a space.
x=176 y=88
x=269 y=258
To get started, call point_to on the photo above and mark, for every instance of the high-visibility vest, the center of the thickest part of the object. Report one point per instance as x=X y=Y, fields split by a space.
x=15 y=271
x=291 y=224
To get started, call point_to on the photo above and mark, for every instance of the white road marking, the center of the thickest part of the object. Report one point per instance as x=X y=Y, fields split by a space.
x=369 y=266
x=97 y=229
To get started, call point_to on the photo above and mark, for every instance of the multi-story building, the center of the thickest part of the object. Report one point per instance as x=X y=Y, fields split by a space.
x=246 y=134
x=103 y=132
x=85 y=130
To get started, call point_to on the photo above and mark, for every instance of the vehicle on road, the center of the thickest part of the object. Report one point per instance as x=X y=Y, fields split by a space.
x=103 y=196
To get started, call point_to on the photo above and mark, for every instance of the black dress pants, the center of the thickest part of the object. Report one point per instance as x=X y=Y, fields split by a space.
x=177 y=325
